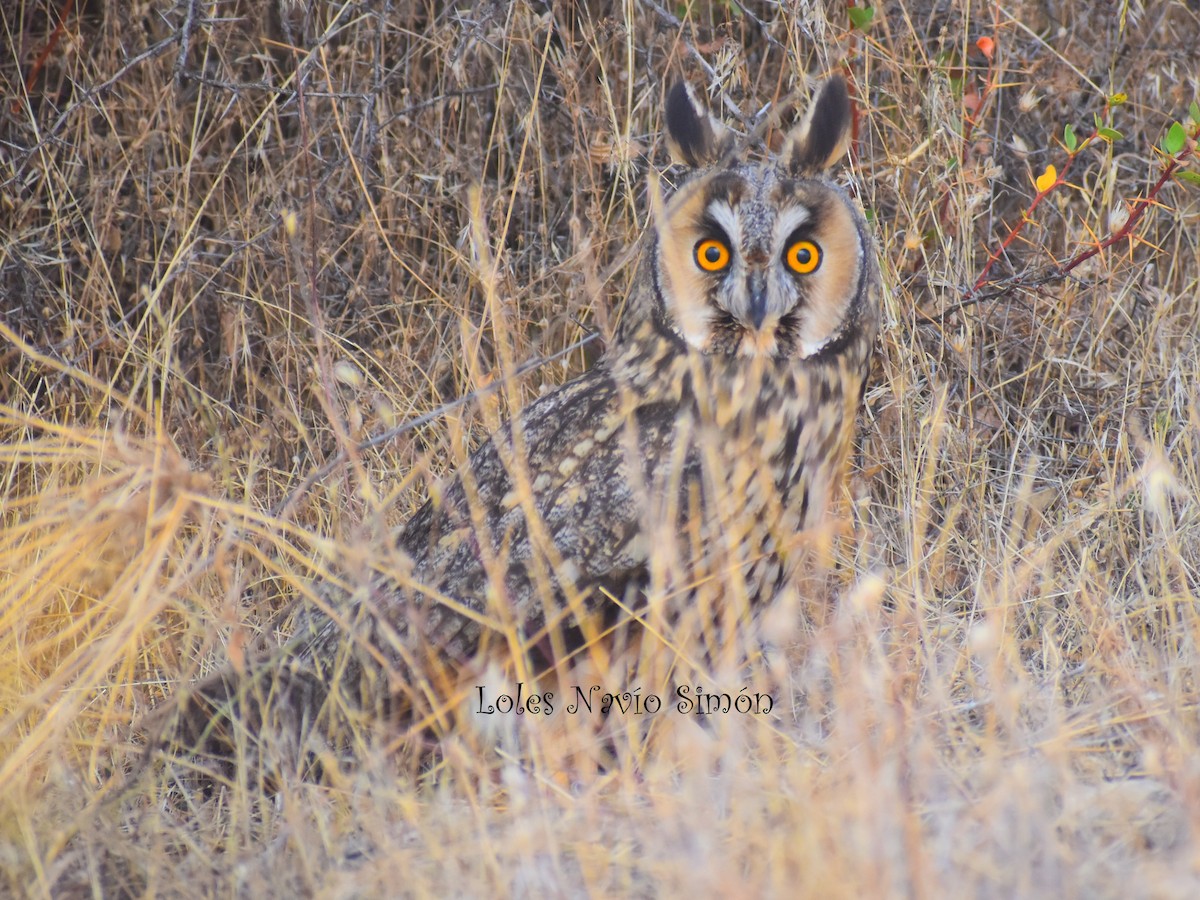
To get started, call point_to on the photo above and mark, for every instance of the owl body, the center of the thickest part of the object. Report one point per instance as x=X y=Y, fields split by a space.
x=713 y=433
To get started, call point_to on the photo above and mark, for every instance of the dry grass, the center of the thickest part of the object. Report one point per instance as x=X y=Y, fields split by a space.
x=234 y=242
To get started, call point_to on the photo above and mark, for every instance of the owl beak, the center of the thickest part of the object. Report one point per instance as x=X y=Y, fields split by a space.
x=756 y=289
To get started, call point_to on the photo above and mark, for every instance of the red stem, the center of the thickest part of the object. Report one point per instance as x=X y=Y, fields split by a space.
x=1140 y=205
x=40 y=62
x=1138 y=209
x=846 y=64
x=1016 y=229
x=970 y=123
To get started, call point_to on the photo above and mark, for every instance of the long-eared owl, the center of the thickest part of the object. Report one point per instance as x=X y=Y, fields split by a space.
x=714 y=431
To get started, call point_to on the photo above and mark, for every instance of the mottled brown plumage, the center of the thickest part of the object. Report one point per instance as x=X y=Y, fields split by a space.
x=714 y=432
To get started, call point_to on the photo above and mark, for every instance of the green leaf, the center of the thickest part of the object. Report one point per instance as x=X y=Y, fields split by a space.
x=1194 y=112
x=860 y=17
x=1175 y=140
x=1069 y=139
x=1189 y=177
x=1109 y=134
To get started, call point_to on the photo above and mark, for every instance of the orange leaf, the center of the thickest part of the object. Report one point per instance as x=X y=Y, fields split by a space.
x=986 y=46
x=1046 y=180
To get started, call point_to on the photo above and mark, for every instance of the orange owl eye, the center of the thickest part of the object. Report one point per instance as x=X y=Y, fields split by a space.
x=803 y=257
x=712 y=255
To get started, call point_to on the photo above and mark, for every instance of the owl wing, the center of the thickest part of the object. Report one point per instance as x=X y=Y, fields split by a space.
x=552 y=507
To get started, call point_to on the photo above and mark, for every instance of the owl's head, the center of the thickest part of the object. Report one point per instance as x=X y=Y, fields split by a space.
x=760 y=259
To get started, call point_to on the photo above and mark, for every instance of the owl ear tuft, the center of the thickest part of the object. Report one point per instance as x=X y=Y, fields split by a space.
x=694 y=137
x=824 y=135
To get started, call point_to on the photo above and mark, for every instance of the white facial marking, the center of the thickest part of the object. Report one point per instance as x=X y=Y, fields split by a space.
x=724 y=215
x=789 y=221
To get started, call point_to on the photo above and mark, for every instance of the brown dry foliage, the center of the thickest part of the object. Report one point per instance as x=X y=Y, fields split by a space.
x=235 y=241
